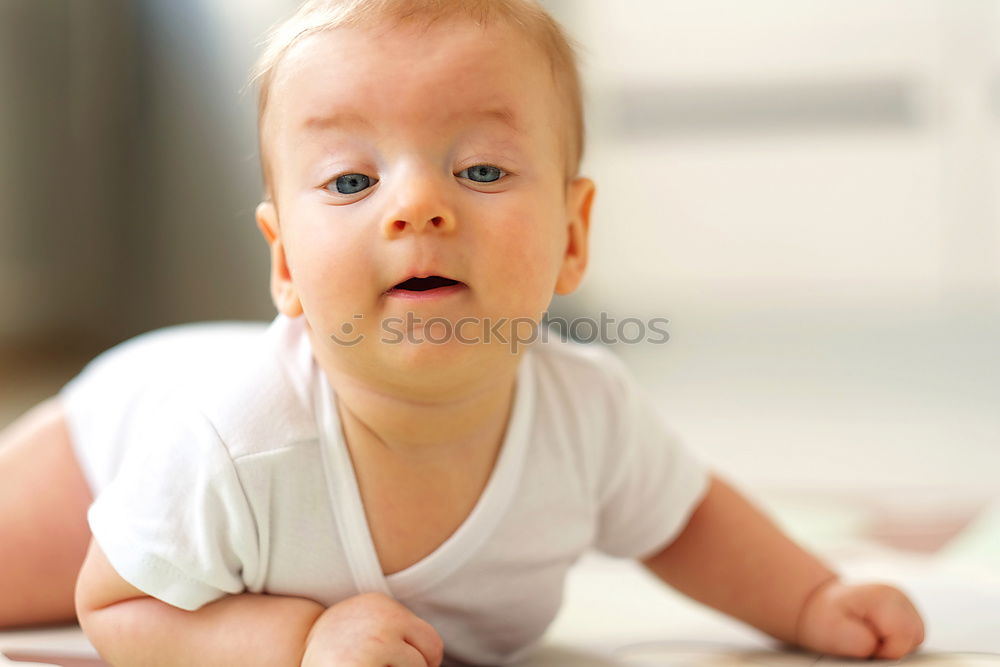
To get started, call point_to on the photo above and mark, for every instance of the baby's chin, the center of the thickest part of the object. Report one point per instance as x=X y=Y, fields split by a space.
x=439 y=359
x=438 y=353
x=426 y=369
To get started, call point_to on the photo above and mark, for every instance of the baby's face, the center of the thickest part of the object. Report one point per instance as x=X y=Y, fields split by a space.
x=412 y=152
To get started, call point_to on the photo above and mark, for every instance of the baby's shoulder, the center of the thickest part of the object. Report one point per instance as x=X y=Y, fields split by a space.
x=257 y=396
x=585 y=386
x=580 y=368
x=244 y=383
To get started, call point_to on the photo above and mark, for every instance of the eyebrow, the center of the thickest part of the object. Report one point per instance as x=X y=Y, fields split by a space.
x=339 y=119
x=502 y=115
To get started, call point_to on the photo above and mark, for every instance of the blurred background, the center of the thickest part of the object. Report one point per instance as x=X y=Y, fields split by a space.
x=806 y=189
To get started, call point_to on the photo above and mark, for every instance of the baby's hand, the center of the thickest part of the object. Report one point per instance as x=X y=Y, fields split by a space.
x=865 y=621
x=369 y=630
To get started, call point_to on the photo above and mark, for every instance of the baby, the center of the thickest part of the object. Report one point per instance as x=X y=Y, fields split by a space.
x=381 y=477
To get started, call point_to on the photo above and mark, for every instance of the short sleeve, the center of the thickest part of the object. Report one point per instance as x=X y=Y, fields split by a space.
x=100 y=405
x=175 y=521
x=103 y=401
x=649 y=482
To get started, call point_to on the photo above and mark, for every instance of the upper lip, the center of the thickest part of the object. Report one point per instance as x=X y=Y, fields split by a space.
x=421 y=274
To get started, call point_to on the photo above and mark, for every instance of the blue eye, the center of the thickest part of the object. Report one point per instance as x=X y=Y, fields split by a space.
x=350 y=184
x=482 y=173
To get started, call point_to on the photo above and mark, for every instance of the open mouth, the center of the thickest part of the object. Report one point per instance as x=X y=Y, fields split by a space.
x=425 y=284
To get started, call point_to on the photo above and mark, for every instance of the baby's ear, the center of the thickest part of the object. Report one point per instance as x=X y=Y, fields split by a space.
x=267 y=220
x=283 y=292
x=579 y=198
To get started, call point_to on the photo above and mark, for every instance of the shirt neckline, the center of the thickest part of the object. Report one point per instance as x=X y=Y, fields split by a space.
x=349 y=512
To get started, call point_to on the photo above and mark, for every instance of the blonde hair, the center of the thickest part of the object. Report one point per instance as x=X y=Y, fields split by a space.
x=524 y=15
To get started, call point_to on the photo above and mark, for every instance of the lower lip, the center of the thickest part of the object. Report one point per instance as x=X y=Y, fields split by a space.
x=426 y=295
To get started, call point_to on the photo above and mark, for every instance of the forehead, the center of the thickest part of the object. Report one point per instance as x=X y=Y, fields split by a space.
x=414 y=76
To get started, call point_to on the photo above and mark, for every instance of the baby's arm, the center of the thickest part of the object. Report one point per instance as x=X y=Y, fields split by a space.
x=731 y=557
x=128 y=627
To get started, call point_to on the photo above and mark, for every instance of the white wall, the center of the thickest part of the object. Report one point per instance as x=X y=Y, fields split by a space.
x=807 y=190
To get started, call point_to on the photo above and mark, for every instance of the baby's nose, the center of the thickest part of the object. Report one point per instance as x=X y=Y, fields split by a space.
x=418 y=208
x=399 y=225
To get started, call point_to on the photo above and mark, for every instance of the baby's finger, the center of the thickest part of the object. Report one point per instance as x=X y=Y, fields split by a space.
x=894 y=646
x=899 y=644
x=424 y=639
x=407 y=655
x=849 y=636
x=895 y=621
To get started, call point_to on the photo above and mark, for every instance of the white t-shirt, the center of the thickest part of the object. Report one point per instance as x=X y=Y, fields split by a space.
x=218 y=462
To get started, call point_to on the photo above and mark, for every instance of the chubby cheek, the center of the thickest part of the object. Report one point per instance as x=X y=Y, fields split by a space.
x=525 y=260
x=332 y=273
